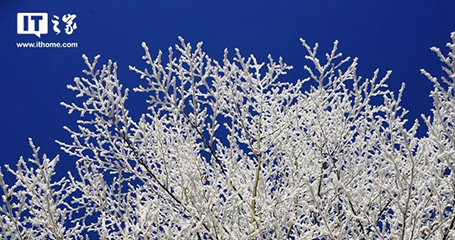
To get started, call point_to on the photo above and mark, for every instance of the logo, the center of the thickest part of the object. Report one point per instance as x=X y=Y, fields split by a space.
x=37 y=23
x=32 y=23
x=70 y=24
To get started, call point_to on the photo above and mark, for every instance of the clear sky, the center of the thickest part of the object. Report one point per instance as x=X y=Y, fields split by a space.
x=387 y=34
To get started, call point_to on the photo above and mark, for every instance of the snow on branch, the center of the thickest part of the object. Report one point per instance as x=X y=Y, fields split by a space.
x=227 y=150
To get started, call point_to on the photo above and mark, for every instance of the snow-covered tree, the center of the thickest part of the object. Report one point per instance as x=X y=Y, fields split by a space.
x=227 y=150
x=440 y=147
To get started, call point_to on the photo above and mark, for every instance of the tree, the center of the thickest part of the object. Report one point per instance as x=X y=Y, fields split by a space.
x=227 y=151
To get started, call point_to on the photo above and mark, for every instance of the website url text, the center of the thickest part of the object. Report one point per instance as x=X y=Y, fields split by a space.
x=40 y=44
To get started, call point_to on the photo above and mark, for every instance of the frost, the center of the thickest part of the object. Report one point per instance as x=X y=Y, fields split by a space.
x=228 y=151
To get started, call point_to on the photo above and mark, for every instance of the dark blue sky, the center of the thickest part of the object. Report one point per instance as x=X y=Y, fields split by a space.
x=387 y=34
